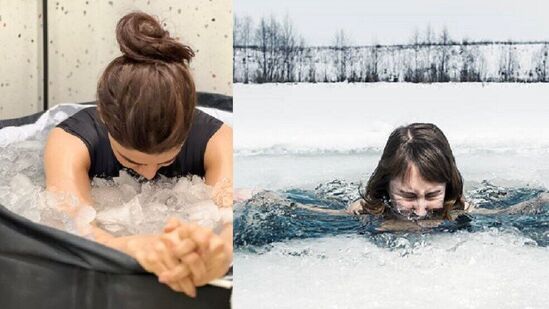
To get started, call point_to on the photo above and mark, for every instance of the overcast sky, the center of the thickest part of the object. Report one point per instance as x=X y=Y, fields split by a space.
x=394 y=21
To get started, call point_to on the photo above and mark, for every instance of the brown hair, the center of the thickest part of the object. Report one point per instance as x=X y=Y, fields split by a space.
x=425 y=146
x=146 y=97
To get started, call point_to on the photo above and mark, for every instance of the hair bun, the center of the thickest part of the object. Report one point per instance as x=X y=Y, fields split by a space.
x=142 y=38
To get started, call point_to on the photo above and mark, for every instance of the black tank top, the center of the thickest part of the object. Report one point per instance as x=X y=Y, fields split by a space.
x=86 y=125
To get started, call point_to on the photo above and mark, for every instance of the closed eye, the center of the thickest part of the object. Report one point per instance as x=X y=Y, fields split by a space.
x=432 y=195
x=408 y=196
x=167 y=163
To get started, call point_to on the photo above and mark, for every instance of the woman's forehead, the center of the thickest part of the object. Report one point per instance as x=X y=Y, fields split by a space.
x=416 y=186
x=412 y=175
x=142 y=157
x=413 y=181
x=146 y=158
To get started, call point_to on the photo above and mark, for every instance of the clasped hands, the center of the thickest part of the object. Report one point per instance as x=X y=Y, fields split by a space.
x=184 y=257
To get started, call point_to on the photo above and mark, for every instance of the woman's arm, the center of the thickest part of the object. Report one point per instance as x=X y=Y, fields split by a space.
x=218 y=164
x=66 y=165
x=531 y=206
x=354 y=208
x=218 y=158
x=334 y=212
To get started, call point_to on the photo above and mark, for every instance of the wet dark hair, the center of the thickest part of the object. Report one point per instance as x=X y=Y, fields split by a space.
x=147 y=96
x=425 y=146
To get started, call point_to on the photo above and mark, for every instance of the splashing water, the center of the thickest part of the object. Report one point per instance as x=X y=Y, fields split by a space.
x=493 y=261
x=270 y=217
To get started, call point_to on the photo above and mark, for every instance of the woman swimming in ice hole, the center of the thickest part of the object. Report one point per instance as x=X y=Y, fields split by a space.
x=416 y=178
x=417 y=184
x=146 y=122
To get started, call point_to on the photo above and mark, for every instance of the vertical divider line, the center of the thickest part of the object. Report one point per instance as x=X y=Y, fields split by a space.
x=45 y=52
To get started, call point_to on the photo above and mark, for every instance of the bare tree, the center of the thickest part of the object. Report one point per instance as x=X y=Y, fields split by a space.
x=428 y=39
x=443 y=71
x=542 y=64
x=473 y=65
x=508 y=66
x=236 y=39
x=275 y=44
x=275 y=52
x=341 y=44
x=242 y=41
x=261 y=34
x=467 y=60
x=413 y=74
x=371 y=64
x=430 y=74
x=301 y=58
x=245 y=40
x=268 y=38
x=288 y=42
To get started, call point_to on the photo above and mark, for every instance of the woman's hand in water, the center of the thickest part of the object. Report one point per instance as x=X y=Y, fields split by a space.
x=213 y=250
x=159 y=255
x=355 y=208
x=240 y=195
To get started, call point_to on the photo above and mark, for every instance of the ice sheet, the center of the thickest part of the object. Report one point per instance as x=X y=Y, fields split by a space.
x=463 y=270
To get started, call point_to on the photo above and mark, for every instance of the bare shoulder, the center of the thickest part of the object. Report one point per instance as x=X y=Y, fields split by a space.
x=218 y=158
x=61 y=144
x=223 y=136
x=220 y=144
x=65 y=154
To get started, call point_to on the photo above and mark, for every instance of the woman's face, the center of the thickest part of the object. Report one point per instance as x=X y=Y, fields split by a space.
x=144 y=164
x=412 y=197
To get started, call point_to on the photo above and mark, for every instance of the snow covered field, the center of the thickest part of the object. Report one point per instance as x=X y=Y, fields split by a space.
x=301 y=135
x=311 y=132
x=464 y=270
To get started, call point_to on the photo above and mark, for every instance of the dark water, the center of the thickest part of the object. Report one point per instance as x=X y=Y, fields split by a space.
x=270 y=217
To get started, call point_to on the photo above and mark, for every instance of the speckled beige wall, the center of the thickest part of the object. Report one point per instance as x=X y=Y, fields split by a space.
x=20 y=58
x=82 y=42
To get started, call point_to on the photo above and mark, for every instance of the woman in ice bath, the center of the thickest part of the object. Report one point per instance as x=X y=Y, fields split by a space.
x=146 y=122
x=417 y=184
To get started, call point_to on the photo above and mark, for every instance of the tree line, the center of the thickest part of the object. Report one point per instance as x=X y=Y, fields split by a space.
x=273 y=51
